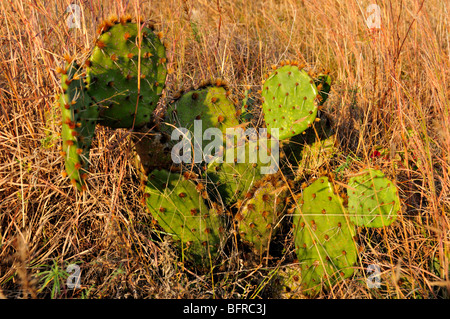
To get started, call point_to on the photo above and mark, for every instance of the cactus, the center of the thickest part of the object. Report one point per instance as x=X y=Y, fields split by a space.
x=323 y=236
x=239 y=169
x=232 y=178
x=289 y=100
x=127 y=66
x=126 y=73
x=151 y=150
x=229 y=168
x=209 y=103
x=79 y=118
x=315 y=155
x=178 y=206
x=287 y=282
x=124 y=79
x=195 y=111
x=372 y=199
x=309 y=151
x=259 y=215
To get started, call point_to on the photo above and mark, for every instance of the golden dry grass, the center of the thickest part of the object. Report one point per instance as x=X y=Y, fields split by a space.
x=391 y=90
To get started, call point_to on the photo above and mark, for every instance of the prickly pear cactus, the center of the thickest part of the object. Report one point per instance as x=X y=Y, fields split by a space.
x=289 y=100
x=233 y=179
x=259 y=216
x=151 y=150
x=287 y=282
x=235 y=173
x=210 y=104
x=126 y=73
x=372 y=199
x=313 y=156
x=323 y=237
x=177 y=205
x=79 y=118
x=309 y=151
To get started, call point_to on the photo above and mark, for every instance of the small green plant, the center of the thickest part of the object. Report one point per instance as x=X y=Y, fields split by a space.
x=54 y=278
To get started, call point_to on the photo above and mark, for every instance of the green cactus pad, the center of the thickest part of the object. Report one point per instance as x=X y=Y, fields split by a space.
x=259 y=216
x=289 y=104
x=373 y=199
x=323 y=237
x=178 y=207
x=122 y=61
x=210 y=104
x=196 y=111
x=288 y=282
x=236 y=174
x=314 y=155
x=308 y=152
x=79 y=118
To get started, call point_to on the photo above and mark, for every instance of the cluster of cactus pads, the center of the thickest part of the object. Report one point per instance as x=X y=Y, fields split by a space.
x=120 y=85
x=325 y=227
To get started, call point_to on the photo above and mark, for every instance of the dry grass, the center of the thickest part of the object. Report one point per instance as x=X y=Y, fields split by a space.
x=391 y=89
